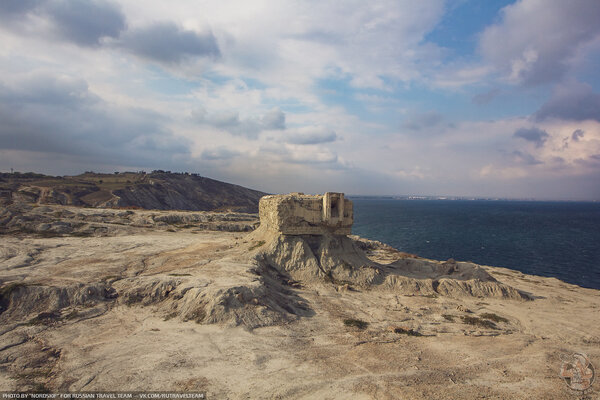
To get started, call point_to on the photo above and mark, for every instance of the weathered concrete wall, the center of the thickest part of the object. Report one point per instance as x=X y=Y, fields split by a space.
x=301 y=214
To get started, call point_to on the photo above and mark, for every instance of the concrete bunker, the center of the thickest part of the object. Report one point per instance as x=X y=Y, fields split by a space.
x=302 y=214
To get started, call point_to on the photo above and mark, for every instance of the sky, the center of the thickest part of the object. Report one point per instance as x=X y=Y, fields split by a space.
x=491 y=98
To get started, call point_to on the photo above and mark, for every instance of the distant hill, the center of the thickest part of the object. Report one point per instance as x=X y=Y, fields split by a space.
x=158 y=190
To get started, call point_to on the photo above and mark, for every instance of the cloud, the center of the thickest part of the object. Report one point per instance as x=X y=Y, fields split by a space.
x=320 y=156
x=534 y=135
x=485 y=97
x=577 y=134
x=309 y=135
x=525 y=158
x=167 y=43
x=227 y=120
x=459 y=74
x=273 y=120
x=47 y=90
x=48 y=114
x=320 y=36
x=12 y=8
x=592 y=162
x=219 y=153
x=231 y=122
x=294 y=154
x=535 y=40
x=410 y=173
x=426 y=121
x=571 y=101
x=329 y=40
x=85 y=22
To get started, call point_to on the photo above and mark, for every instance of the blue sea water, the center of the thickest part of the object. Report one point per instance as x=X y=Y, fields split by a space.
x=559 y=239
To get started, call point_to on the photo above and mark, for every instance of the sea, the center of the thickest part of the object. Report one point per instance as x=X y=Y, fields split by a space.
x=555 y=239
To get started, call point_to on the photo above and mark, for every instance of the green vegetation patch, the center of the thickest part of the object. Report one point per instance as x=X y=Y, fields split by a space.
x=40 y=388
x=180 y=274
x=170 y=316
x=257 y=245
x=38 y=373
x=82 y=234
x=187 y=226
x=409 y=332
x=110 y=278
x=72 y=315
x=493 y=317
x=356 y=323
x=44 y=318
x=42 y=234
x=483 y=323
x=448 y=317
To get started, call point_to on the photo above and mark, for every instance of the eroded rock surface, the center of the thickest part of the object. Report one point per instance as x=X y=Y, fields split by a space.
x=341 y=260
x=258 y=315
x=53 y=220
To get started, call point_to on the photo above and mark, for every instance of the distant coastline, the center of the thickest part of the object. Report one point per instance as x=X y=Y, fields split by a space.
x=467 y=198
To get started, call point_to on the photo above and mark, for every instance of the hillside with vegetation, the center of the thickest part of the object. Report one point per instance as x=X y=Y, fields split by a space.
x=158 y=190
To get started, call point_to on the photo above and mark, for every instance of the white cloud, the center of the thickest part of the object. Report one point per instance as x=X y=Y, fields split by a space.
x=165 y=42
x=291 y=44
x=219 y=153
x=308 y=135
x=229 y=120
x=536 y=40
